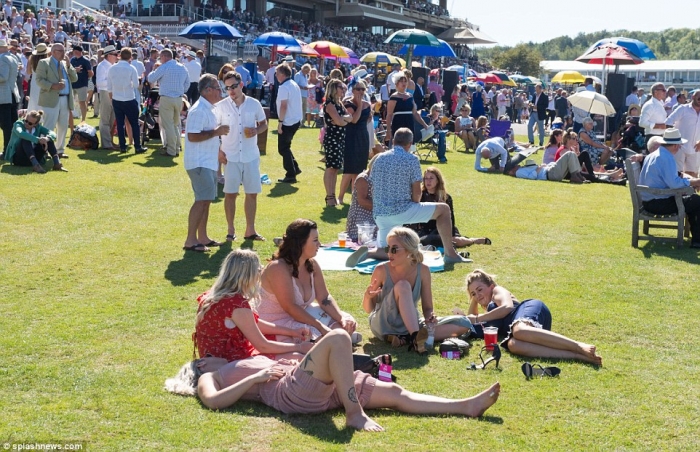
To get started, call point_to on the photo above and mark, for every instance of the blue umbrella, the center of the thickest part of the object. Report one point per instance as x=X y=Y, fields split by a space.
x=422 y=50
x=634 y=46
x=210 y=29
x=277 y=38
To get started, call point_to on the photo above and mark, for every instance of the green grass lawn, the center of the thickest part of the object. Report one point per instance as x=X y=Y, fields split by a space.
x=97 y=305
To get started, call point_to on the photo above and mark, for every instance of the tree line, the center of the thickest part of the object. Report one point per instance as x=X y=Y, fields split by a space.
x=670 y=44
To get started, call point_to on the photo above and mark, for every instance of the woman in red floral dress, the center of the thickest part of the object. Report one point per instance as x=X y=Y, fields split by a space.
x=227 y=327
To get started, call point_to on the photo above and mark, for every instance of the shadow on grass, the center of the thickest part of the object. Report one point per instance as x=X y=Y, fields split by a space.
x=155 y=160
x=685 y=254
x=334 y=214
x=15 y=170
x=103 y=156
x=281 y=189
x=195 y=266
x=401 y=357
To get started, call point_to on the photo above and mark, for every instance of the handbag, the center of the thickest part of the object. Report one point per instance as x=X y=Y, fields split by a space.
x=454 y=348
x=379 y=367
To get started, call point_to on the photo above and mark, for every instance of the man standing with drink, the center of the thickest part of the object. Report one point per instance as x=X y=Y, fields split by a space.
x=239 y=152
x=201 y=153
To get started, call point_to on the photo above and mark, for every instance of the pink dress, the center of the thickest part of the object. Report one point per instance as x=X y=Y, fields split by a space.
x=269 y=309
x=297 y=391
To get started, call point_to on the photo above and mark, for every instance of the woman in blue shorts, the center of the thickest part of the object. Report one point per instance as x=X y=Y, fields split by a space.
x=528 y=324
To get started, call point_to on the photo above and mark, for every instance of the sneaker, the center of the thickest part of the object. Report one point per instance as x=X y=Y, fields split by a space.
x=357 y=256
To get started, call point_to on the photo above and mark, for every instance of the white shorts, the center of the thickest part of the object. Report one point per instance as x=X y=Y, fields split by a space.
x=420 y=212
x=691 y=162
x=247 y=174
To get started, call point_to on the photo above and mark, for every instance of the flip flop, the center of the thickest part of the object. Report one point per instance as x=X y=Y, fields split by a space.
x=538 y=371
x=254 y=237
x=197 y=248
x=230 y=237
x=214 y=243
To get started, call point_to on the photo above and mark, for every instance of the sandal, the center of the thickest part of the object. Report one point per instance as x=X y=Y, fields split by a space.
x=255 y=237
x=230 y=237
x=496 y=356
x=484 y=241
x=197 y=248
x=417 y=342
x=331 y=199
x=397 y=340
x=531 y=371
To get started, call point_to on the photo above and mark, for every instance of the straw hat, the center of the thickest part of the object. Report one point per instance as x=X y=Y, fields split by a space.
x=673 y=136
x=41 y=49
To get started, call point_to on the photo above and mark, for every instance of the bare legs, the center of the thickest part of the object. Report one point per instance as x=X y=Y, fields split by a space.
x=330 y=179
x=391 y=395
x=537 y=342
x=346 y=182
x=197 y=224
x=250 y=206
x=404 y=302
x=444 y=226
x=330 y=362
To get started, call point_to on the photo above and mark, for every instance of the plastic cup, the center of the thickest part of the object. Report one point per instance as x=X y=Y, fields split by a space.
x=342 y=237
x=490 y=336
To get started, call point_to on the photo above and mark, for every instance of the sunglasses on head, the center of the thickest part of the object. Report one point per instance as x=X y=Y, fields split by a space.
x=232 y=87
x=392 y=250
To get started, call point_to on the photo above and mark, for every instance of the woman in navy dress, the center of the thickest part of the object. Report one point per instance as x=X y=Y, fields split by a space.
x=478 y=101
x=528 y=324
x=356 y=138
x=401 y=110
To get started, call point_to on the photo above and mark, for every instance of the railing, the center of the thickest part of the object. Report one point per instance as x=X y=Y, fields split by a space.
x=223 y=46
x=156 y=10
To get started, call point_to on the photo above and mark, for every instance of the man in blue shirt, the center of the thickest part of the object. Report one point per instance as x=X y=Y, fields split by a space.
x=245 y=74
x=660 y=171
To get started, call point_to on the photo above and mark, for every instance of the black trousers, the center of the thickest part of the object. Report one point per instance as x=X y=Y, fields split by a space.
x=193 y=92
x=8 y=116
x=585 y=160
x=23 y=156
x=284 y=148
x=666 y=206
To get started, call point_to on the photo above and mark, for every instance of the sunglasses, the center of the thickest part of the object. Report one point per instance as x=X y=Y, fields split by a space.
x=360 y=89
x=392 y=250
x=232 y=87
x=31 y=124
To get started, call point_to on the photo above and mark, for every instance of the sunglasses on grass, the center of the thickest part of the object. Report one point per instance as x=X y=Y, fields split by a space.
x=392 y=250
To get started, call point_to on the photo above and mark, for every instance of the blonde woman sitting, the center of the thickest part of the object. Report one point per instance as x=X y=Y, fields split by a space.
x=464 y=127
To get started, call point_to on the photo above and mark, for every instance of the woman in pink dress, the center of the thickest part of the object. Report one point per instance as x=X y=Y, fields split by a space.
x=324 y=380
x=293 y=281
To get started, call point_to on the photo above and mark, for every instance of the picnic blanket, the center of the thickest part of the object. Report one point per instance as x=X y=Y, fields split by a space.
x=333 y=259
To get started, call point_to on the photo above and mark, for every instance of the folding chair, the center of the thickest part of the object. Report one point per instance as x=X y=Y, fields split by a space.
x=498 y=128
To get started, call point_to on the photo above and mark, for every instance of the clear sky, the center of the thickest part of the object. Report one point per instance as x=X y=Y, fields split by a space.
x=513 y=21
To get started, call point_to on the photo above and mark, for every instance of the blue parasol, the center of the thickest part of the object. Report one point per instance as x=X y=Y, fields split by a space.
x=277 y=38
x=422 y=50
x=208 y=30
x=634 y=46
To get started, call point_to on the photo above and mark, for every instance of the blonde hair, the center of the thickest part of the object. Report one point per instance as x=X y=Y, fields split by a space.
x=185 y=382
x=239 y=274
x=480 y=276
x=409 y=240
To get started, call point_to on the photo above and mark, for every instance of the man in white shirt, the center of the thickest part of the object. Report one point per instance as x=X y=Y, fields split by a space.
x=390 y=78
x=686 y=118
x=202 y=132
x=106 y=110
x=671 y=99
x=302 y=79
x=194 y=70
x=653 y=116
x=632 y=98
x=240 y=153
x=270 y=74
x=290 y=115
x=122 y=83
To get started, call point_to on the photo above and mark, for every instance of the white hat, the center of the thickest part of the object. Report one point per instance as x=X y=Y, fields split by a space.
x=3 y=43
x=192 y=54
x=530 y=162
x=109 y=50
x=673 y=136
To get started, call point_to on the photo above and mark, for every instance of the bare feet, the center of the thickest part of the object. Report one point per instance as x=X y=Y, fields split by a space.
x=589 y=354
x=361 y=421
x=477 y=405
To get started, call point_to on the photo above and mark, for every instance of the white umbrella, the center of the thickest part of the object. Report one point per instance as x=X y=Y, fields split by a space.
x=592 y=102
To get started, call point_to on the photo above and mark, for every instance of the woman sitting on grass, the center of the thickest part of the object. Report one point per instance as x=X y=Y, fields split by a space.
x=528 y=324
x=550 y=151
x=391 y=300
x=434 y=191
x=323 y=381
x=293 y=280
x=227 y=327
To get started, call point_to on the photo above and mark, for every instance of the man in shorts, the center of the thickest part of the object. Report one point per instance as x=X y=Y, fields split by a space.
x=202 y=134
x=396 y=189
x=84 y=69
x=240 y=153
